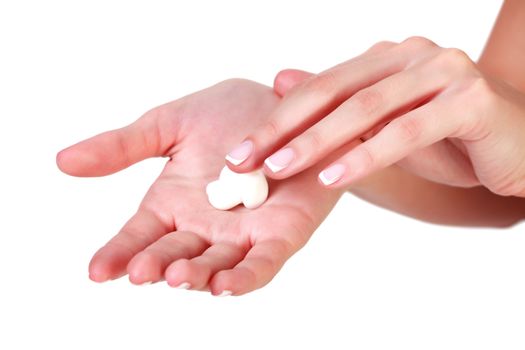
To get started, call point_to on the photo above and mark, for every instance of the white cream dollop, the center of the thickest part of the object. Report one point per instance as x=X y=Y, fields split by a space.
x=231 y=189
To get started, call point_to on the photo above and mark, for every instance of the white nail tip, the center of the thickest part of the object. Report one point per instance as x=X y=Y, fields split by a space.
x=145 y=283
x=184 y=285
x=274 y=168
x=234 y=161
x=325 y=180
x=225 y=293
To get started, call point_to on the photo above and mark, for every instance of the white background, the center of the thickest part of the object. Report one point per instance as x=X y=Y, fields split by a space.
x=368 y=279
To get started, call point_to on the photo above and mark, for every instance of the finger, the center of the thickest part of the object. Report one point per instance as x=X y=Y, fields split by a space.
x=151 y=135
x=260 y=265
x=381 y=47
x=139 y=232
x=413 y=131
x=365 y=111
x=150 y=264
x=316 y=97
x=287 y=79
x=197 y=272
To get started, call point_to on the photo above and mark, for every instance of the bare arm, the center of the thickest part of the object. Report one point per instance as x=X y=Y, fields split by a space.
x=411 y=195
x=504 y=54
x=398 y=190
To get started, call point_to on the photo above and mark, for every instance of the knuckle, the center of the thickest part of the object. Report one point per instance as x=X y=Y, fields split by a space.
x=368 y=159
x=314 y=139
x=233 y=81
x=381 y=46
x=184 y=267
x=272 y=128
x=281 y=76
x=250 y=275
x=408 y=129
x=418 y=42
x=456 y=58
x=367 y=101
x=270 y=262
x=324 y=83
x=478 y=118
x=160 y=126
x=150 y=256
x=481 y=91
x=156 y=113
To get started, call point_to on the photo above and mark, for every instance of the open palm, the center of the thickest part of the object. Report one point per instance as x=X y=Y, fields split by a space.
x=175 y=234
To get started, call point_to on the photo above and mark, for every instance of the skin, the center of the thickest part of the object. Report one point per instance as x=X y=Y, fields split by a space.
x=176 y=235
x=429 y=108
x=400 y=190
x=484 y=147
x=504 y=53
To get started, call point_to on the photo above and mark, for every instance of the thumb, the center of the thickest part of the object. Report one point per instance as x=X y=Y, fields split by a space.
x=151 y=135
x=287 y=79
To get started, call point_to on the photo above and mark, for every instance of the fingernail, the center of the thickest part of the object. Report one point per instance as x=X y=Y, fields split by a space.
x=225 y=293
x=332 y=174
x=240 y=153
x=280 y=159
x=184 y=285
x=145 y=283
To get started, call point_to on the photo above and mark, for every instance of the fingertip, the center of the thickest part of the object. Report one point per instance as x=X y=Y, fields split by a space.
x=332 y=175
x=62 y=161
x=178 y=273
x=286 y=79
x=250 y=155
x=101 y=155
x=75 y=162
x=235 y=281
x=97 y=272
x=247 y=165
x=280 y=85
x=59 y=159
x=242 y=168
x=144 y=267
x=277 y=165
x=275 y=175
x=221 y=282
x=108 y=264
x=240 y=159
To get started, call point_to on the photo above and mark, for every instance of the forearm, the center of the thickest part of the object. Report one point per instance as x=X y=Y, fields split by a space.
x=504 y=53
x=397 y=190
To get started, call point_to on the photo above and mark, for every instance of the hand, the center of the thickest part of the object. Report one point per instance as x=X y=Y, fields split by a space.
x=175 y=233
x=426 y=108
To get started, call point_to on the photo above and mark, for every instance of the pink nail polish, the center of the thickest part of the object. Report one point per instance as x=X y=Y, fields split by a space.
x=240 y=153
x=332 y=174
x=280 y=160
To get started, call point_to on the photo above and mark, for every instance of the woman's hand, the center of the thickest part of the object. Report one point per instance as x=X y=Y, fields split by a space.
x=176 y=234
x=427 y=108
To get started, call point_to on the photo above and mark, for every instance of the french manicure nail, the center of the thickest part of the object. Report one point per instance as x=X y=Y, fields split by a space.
x=240 y=153
x=332 y=174
x=184 y=285
x=225 y=293
x=280 y=159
